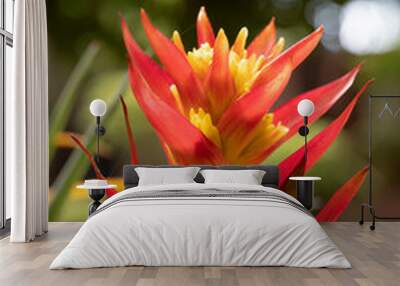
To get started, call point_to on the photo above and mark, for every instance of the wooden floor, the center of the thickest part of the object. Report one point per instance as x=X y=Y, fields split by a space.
x=375 y=257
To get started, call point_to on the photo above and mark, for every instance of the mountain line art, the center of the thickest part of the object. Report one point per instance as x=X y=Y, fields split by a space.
x=395 y=113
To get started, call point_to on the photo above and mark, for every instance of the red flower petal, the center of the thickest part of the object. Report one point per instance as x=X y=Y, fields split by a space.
x=219 y=81
x=99 y=175
x=111 y=192
x=295 y=55
x=205 y=33
x=96 y=169
x=341 y=199
x=319 y=144
x=176 y=64
x=174 y=129
x=132 y=145
x=158 y=79
x=264 y=41
x=324 y=98
x=244 y=114
x=239 y=46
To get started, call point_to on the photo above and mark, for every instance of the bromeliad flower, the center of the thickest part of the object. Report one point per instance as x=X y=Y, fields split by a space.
x=212 y=104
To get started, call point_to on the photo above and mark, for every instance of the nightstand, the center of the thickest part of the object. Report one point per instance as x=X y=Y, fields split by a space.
x=305 y=190
x=96 y=190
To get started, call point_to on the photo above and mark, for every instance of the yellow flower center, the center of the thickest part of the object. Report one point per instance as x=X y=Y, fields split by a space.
x=245 y=145
x=244 y=71
x=266 y=134
x=203 y=121
x=200 y=59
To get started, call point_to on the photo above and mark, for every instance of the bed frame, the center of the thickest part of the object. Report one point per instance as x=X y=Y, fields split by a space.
x=270 y=179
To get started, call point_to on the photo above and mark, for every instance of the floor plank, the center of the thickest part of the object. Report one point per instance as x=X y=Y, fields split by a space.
x=375 y=257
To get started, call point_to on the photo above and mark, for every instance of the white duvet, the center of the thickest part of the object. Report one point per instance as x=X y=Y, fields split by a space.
x=200 y=231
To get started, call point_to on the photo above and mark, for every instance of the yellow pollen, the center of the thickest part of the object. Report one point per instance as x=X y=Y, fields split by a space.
x=265 y=136
x=176 y=95
x=203 y=121
x=244 y=146
x=245 y=71
x=200 y=59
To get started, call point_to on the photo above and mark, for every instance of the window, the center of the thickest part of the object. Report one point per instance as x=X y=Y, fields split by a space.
x=6 y=60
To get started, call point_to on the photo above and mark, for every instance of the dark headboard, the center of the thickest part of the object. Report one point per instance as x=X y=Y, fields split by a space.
x=271 y=177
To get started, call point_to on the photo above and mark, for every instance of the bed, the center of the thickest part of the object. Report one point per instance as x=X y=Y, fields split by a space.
x=198 y=224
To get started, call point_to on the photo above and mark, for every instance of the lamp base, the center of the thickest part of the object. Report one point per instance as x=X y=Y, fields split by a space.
x=305 y=193
x=96 y=195
x=303 y=130
x=100 y=131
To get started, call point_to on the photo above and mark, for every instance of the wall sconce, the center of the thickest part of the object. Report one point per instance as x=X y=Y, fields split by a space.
x=305 y=108
x=98 y=109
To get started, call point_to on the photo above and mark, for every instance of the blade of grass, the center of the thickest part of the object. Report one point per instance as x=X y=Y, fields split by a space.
x=109 y=191
x=89 y=156
x=65 y=103
x=132 y=144
x=77 y=164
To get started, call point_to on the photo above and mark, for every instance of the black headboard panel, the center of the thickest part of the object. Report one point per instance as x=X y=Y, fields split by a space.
x=271 y=177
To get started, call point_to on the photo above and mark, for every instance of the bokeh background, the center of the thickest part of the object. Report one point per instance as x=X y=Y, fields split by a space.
x=87 y=60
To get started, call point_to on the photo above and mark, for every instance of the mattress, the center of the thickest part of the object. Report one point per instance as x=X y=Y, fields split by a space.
x=201 y=225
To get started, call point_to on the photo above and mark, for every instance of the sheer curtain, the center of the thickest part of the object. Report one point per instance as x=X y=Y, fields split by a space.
x=27 y=124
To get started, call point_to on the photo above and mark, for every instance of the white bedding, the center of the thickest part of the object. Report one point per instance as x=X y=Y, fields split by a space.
x=219 y=231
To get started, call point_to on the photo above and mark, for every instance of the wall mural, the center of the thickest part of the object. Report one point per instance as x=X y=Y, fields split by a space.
x=219 y=102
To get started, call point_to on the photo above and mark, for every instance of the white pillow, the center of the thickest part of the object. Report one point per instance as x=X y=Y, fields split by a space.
x=248 y=177
x=164 y=176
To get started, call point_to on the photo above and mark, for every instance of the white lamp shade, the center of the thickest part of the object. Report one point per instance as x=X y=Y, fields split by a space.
x=98 y=107
x=305 y=107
